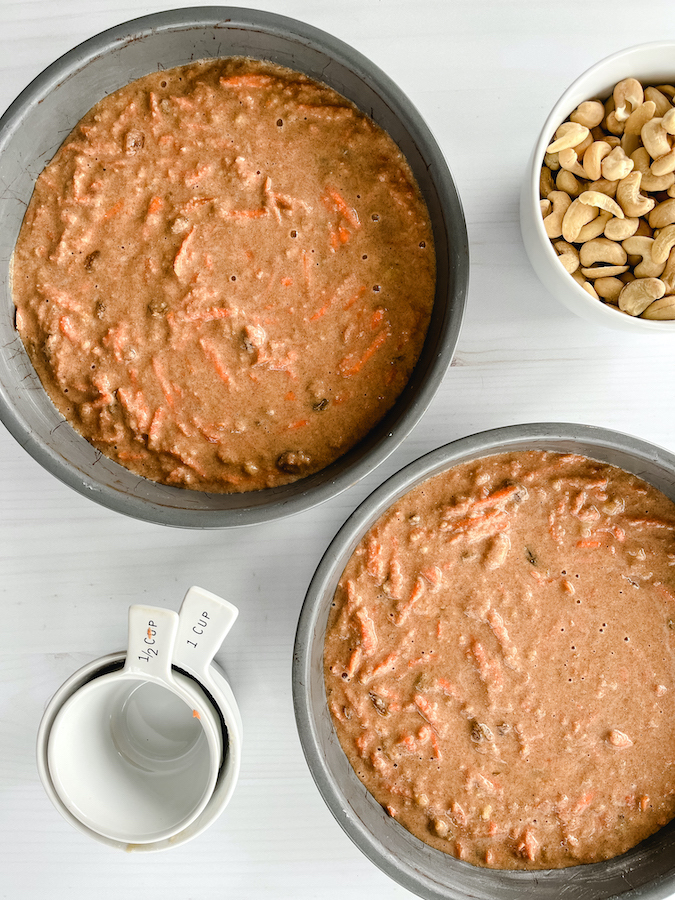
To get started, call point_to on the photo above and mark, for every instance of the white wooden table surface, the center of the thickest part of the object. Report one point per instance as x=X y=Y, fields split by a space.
x=484 y=74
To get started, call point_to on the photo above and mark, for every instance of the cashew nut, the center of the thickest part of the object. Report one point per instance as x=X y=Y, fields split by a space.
x=568 y=255
x=664 y=308
x=668 y=274
x=604 y=186
x=616 y=165
x=668 y=121
x=546 y=184
x=602 y=250
x=620 y=229
x=589 y=113
x=602 y=201
x=655 y=138
x=594 y=228
x=630 y=199
x=663 y=214
x=588 y=287
x=613 y=125
x=566 y=181
x=553 y=222
x=642 y=161
x=603 y=271
x=664 y=165
x=569 y=134
x=608 y=288
x=570 y=161
x=660 y=100
x=667 y=89
x=639 y=117
x=551 y=161
x=545 y=206
x=630 y=143
x=574 y=219
x=639 y=294
x=663 y=244
x=593 y=158
x=581 y=281
x=639 y=245
x=628 y=95
x=581 y=148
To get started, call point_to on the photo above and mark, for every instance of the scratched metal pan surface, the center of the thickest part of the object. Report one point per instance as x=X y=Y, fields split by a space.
x=647 y=871
x=42 y=116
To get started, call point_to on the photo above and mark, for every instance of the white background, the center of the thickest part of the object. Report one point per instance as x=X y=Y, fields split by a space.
x=484 y=74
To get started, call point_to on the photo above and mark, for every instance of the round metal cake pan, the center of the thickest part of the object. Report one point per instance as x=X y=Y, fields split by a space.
x=41 y=117
x=646 y=871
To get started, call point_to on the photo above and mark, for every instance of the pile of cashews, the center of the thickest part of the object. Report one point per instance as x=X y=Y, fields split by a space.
x=607 y=192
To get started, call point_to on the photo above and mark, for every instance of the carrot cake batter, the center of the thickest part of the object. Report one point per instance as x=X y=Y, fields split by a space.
x=500 y=661
x=225 y=276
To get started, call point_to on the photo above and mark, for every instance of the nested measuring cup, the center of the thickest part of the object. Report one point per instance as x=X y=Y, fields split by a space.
x=134 y=755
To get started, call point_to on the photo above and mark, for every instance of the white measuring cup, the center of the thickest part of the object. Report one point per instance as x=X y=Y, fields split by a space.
x=135 y=754
x=204 y=622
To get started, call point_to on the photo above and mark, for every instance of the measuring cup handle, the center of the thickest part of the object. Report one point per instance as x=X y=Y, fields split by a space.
x=205 y=620
x=152 y=637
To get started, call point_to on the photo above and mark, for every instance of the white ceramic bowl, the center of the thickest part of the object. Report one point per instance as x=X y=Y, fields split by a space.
x=649 y=63
x=223 y=700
